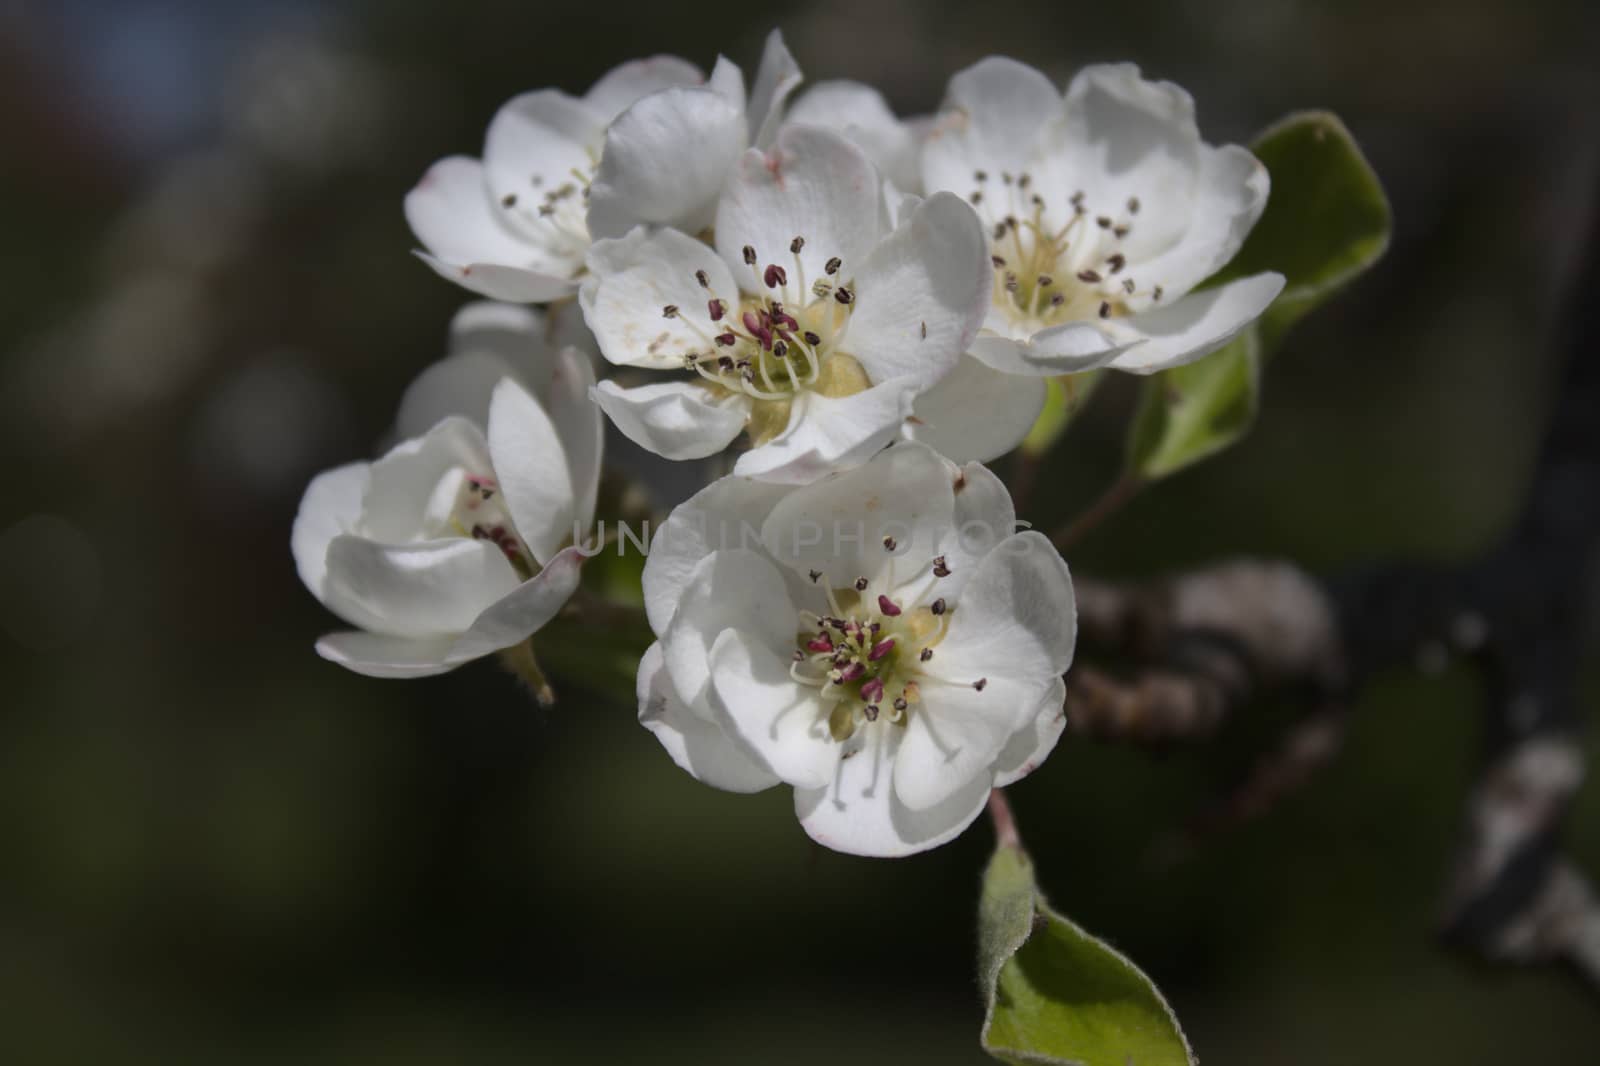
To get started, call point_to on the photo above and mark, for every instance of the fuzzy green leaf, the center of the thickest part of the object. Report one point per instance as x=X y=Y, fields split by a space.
x=1190 y=412
x=1065 y=399
x=1053 y=994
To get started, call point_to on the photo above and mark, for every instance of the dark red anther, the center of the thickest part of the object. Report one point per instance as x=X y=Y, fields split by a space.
x=888 y=606
x=752 y=322
x=727 y=340
x=851 y=672
x=820 y=643
x=717 y=309
x=775 y=276
x=872 y=691
x=880 y=649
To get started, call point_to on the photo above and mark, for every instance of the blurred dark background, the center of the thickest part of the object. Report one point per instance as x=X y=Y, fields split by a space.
x=219 y=848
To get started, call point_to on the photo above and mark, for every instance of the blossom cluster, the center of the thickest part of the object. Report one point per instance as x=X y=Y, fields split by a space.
x=859 y=310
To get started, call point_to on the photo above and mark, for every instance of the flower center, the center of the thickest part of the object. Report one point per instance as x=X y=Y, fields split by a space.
x=866 y=655
x=554 y=210
x=1047 y=271
x=476 y=509
x=773 y=344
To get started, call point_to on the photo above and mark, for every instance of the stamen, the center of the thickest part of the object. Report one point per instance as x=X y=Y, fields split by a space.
x=872 y=691
x=749 y=255
x=887 y=606
x=880 y=649
x=938 y=607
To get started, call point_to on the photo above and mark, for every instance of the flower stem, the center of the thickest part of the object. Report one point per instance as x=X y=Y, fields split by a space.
x=1005 y=826
x=520 y=660
x=1110 y=502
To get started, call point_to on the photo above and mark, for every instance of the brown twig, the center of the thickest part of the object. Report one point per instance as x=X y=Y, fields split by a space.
x=1110 y=502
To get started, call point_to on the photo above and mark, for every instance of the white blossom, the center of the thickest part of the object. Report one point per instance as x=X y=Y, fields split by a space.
x=880 y=640
x=1104 y=211
x=512 y=226
x=864 y=117
x=824 y=309
x=456 y=543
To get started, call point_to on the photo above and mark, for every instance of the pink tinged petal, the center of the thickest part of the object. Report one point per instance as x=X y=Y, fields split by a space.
x=776 y=77
x=401 y=495
x=860 y=113
x=730 y=589
x=331 y=506
x=517 y=616
x=994 y=112
x=631 y=81
x=633 y=280
x=1016 y=619
x=837 y=525
x=1230 y=193
x=780 y=719
x=858 y=812
x=1196 y=325
x=675 y=419
x=728 y=513
x=532 y=468
x=509 y=283
x=382 y=656
x=811 y=183
x=976 y=413
x=665 y=161
x=955 y=734
x=428 y=589
x=826 y=434
x=922 y=293
x=1028 y=747
x=696 y=744
x=544 y=134
x=1120 y=138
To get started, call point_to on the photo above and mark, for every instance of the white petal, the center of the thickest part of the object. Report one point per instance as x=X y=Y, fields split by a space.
x=1035 y=740
x=1120 y=137
x=428 y=589
x=665 y=161
x=1194 y=326
x=378 y=655
x=581 y=429
x=1229 y=194
x=729 y=590
x=827 y=433
x=954 y=736
x=331 y=506
x=1069 y=348
x=510 y=283
x=922 y=293
x=811 y=183
x=993 y=113
x=517 y=335
x=1016 y=618
x=780 y=719
x=622 y=85
x=523 y=612
x=449 y=212
x=726 y=514
x=398 y=503
x=530 y=463
x=634 y=279
x=860 y=113
x=838 y=524
x=976 y=413
x=674 y=419
x=859 y=814
x=460 y=385
x=544 y=135
x=698 y=746
x=727 y=81
x=776 y=78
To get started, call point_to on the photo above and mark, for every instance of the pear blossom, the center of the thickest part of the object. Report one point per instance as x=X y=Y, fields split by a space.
x=511 y=226
x=880 y=640
x=667 y=157
x=821 y=313
x=456 y=543
x=1105 y=211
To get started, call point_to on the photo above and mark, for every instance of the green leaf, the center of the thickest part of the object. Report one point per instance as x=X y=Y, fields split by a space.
x=1327 y=219
x=1190 y=412
x=1326 y=222
x=1054 y=994
x=1065 y=399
